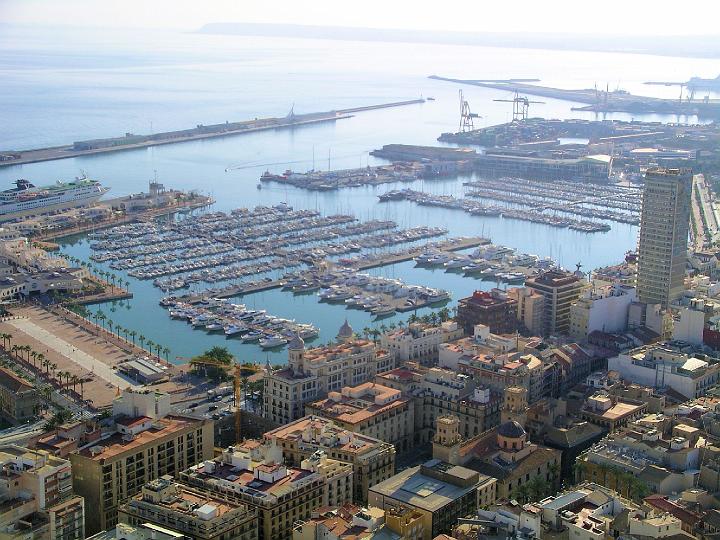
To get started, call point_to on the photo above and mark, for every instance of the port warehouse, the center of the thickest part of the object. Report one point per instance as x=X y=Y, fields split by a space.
x=592 y=168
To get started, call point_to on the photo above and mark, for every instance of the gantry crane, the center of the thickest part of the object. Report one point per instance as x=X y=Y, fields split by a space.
x=466 y=117
x=521 y=106
x=237 y=375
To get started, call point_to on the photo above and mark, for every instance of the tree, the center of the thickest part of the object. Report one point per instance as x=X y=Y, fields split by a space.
x=413 y=318
x=166 y=351
x=34 y=357
x=141 y=339
x=74 y=380
x=40 y=360
x=133 y=334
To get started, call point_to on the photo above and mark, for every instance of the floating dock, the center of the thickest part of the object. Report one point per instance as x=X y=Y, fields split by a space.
x=131 y=141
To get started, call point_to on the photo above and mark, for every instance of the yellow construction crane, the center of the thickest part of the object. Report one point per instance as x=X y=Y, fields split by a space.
x=237 y=374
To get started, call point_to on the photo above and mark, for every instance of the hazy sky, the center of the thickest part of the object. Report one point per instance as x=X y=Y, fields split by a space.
x=648 y=17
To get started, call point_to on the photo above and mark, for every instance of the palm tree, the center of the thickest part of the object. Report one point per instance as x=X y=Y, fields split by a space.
x=133 y=333
x=141 y=339
x=53 y=367
x=40 y=359
x=110 y=325
x=67 y=378
x=125 y=332
x=28 y=349
x=127 y=285
x=34 y=356
x=60 y=374
x=82 y=389
x=46 y=364
x=159 y=350
x=150 y=346
x=14 y=349
x=366 y=332
x=166 y=352
x=74 y=380
x=413 y=318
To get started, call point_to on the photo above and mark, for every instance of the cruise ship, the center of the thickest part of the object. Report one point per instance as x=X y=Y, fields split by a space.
x=26 y=200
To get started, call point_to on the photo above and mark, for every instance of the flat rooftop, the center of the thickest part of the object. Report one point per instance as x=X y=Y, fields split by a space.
x=116 y=444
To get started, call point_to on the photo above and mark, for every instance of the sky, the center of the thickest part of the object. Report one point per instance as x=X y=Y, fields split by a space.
x=645 y=17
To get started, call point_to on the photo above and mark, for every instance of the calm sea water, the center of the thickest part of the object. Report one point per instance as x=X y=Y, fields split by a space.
x=61 y=87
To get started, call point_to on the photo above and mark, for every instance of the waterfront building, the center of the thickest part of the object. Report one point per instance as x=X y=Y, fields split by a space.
x=419 y=342
x=602 y=308
x=439 y=491
x=530 y=309
x=667 y=365
x=350 y=522
x=254 y=475
x=371 y=409
x=19 y=400
x=195 y=514
x=561 y=289
x=372 y=460
x=137 y=450
x=664 y=224
x=312 y=373
x=37 y=497
x=494 y=309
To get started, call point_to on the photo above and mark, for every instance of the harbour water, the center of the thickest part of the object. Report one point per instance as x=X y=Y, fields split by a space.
x=56 y=91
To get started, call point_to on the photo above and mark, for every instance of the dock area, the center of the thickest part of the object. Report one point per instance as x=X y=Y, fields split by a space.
x=132 y=141
x=605 y=100
x=358 y=264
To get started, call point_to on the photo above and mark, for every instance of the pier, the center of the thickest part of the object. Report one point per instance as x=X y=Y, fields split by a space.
x=450 y=245
x=131 y=141
x=605 y=101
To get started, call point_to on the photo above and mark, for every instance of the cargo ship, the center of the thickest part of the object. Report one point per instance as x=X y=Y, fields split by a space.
x=27 y=200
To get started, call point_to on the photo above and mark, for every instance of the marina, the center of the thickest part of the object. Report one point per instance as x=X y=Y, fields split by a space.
x=479 y=209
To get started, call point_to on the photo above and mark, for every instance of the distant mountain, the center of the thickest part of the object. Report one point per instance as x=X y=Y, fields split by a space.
x=689 y=46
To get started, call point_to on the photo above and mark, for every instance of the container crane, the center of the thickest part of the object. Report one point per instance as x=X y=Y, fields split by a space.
x=521 y=106
x=466 y=117
x=237 y=375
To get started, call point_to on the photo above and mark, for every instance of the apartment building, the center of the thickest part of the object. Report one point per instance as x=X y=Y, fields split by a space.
x=561 y=290
x=419 y=342
x=313 y=373
x=140 y=448
x=494 y=309
x=603 y=309
x=371 y=409
x=611 y=412
x=530 y=309
x=350 y=522
x=19 y=399
x=664 y=228
x=37 y=497
x=193 y=513
x=438 y=491
x=254 y=475
x=667 y=365
x=372 y=460
x=655 y=464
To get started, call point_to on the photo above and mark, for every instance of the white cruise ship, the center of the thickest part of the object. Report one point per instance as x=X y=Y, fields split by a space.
x=26 y=200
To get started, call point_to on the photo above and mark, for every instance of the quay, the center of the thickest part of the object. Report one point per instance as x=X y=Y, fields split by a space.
x=114 y=220
x=450 y=245
x=131 y=141
x=605 y=101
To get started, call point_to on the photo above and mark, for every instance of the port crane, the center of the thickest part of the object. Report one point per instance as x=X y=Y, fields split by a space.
x=521 y=106
x=237 y=375
x=466 y=117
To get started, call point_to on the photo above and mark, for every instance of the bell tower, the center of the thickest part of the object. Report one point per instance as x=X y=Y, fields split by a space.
x=515 y=405
x=446 y=443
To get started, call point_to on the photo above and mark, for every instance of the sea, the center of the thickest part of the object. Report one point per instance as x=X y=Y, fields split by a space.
x=69 y=84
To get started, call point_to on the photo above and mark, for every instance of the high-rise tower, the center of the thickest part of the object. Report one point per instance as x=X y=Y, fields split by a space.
x=663 y=241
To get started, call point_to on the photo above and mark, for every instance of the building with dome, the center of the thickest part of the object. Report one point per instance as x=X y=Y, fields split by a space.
x=504 y=453
x=313 y=373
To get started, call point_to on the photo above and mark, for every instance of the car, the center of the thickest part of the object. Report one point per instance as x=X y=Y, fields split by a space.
x=194 y=405
x=212 y=407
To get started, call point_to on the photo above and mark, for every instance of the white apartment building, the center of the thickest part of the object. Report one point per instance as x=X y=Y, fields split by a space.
x=419 y=342
x=669 y=364
x=604 y=309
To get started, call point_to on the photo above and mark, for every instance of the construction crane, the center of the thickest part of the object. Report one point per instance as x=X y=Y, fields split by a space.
x=237 y=374
x=521 y=106
x=466 y=117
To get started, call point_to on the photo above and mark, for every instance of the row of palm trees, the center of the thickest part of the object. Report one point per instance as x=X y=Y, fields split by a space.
x=433 y=318
x=109 y=277
x=40 y=362
x=101 y=319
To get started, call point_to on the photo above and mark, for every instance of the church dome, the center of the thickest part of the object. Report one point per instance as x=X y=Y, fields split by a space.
x=511 y=430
